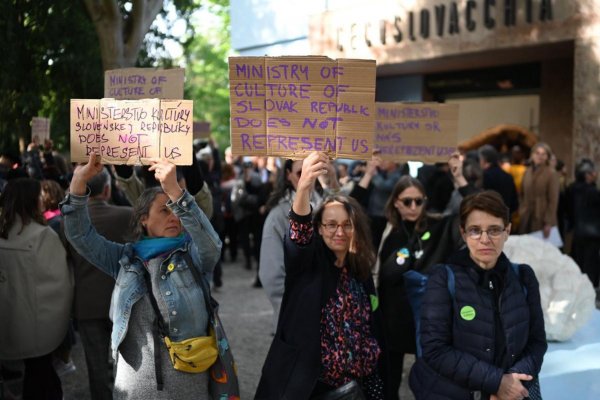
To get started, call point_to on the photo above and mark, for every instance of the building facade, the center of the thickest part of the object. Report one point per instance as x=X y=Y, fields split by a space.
x=532 y=63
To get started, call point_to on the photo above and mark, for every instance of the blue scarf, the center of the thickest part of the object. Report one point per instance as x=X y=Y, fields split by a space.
x=148 y=248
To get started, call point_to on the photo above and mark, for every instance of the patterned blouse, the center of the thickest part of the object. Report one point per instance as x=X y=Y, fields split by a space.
x=348 y=349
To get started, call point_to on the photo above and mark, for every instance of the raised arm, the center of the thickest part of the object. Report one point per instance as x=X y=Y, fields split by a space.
x=79 y=231
x=315 y=165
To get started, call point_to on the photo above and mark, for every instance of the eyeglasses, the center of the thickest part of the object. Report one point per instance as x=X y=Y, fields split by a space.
x=475 y=232
x=407 y=201
x=331 y=227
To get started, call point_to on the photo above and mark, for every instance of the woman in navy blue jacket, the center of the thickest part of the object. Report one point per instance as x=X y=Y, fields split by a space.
x=487 y=339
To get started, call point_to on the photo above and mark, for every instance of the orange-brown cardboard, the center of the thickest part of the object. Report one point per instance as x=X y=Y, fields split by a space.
x=426 y=132
x=85 y=128
x=289 y=106
x=129 y=131
x=144 y=83
x=132 y=131
x=177 y=131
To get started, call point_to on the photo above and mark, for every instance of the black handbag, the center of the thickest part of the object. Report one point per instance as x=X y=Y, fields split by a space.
x=349 y=391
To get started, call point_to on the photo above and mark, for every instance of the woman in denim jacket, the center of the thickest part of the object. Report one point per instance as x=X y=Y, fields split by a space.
x=170 y=225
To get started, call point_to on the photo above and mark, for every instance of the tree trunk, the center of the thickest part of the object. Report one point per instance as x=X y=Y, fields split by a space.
x=121 y=38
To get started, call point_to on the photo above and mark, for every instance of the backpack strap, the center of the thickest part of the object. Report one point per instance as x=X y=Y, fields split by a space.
x=516 y=269
x=451 y=281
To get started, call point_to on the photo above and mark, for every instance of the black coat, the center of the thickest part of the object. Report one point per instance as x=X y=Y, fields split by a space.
x=494 y=178
x=293 y=364
x=442 y=240
x=460 y=354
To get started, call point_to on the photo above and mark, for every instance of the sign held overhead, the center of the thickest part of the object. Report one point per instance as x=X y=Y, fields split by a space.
x=290 y=106
x=426 y=132
x=140 y=83
x=132 y=131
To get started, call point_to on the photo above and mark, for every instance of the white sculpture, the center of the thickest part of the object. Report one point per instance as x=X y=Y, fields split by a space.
x=568 y=297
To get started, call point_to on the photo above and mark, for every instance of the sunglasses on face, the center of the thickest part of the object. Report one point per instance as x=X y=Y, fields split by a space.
x=407 y=201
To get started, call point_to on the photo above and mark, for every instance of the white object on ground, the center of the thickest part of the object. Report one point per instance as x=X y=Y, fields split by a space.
x=567 y=295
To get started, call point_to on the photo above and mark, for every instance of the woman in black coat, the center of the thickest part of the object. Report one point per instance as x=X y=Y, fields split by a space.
x=484 y=338
x=328 y=333
x=412 y=240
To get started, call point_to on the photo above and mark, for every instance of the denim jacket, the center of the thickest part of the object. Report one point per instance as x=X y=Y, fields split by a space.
x=177 y=285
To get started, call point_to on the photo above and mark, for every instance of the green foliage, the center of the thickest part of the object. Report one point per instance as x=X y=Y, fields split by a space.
x=207 y=68
x=50 y=55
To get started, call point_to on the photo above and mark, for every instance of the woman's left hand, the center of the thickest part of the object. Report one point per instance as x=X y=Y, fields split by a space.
x=166 y=173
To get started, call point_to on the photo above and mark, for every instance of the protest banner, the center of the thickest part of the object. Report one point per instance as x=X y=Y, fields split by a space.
x=290 y=106
x=143 y=83
x=40 y=129
x=132 y=131
x=201 y=130
x=426 y=132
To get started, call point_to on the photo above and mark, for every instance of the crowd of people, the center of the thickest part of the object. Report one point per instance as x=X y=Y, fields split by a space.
x=331 y=243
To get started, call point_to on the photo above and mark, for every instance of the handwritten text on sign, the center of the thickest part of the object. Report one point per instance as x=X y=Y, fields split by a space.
x=132 y=131
x=416 y=131
x=140 y=83
x=289 y=106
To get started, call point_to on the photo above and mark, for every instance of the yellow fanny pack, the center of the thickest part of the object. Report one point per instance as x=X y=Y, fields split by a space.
x=193 y=355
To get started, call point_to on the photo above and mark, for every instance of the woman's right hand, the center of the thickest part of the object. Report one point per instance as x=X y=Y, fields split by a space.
x=511 y=387
x=83 y=173
x=313 y=166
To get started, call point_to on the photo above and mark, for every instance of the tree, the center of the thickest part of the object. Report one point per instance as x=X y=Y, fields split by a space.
x=51 y=54
x=207 y=68
x=122 y=26
x=42 y=67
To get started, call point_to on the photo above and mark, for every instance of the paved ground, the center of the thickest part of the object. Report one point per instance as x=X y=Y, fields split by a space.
x=246 y=314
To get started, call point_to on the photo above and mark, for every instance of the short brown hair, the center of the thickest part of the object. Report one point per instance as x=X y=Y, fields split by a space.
x=488 y=201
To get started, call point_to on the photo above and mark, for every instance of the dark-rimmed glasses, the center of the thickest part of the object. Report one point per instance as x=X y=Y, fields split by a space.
x=331 y=227
x=493 y=232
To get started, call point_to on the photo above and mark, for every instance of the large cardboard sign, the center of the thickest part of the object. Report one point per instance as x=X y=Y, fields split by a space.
x=132 y=131
x=143 y=83
x=426 y=132
x=290 y=106
x=40 y=129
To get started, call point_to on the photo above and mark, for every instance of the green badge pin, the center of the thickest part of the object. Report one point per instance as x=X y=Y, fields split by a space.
x=374 y=302
x=426 y=236
x=467 y=313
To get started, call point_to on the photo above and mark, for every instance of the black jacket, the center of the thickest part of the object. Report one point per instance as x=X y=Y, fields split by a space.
x=494 y=178
x=437 y=241
x=293 y=364
x=461 y=355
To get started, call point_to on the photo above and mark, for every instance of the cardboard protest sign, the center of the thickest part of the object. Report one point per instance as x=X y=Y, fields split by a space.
x=201 y=129
x=426 y=132
x=132 y=131
x=141 y=83
x=40 y=129
x=290 y=106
